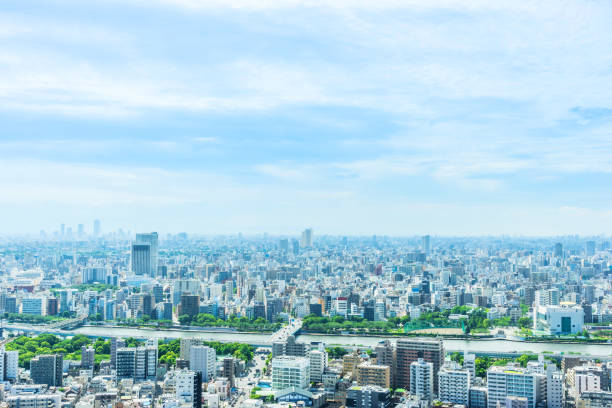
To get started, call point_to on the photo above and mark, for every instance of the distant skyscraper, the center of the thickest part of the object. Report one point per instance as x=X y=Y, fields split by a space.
x=306 y=241
x=426 y=244
x=96 y=229
x=62 y=230
x=558 y=252
x=284 y=245
x=141 y=259
x=590 y=248
x=152 y=240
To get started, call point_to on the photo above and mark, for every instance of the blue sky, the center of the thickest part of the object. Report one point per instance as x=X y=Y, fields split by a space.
x=390 y=117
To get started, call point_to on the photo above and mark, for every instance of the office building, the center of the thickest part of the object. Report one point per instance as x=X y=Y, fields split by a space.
x=150 y=239
x=47 y=369
x=188 y=388
x=189 y=305
x=306 y=241
x=422 y=379
x=141 y=259
x=203 y=359
x=97 y=229
x=426 y=244
x=290 y=371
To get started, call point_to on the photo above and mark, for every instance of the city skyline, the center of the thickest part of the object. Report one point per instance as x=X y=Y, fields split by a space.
x=443 y=117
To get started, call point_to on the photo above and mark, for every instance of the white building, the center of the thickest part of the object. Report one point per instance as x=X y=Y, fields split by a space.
x=318 y=363
x=469 y=363
x=454 y=384
x=514 y=381
x=33 y=306
x=585 y=382
x=188 y=387
x=9 y=364
x=290 y=371
x=35 y=401
x=422 y=379
x=204 y=360
x=554 y=388
x=557 y=320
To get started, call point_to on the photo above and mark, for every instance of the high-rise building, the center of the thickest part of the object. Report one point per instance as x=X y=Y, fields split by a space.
x=369 y=396
x=189 y=305
x=558 y=251
x=555 y=391
x=386 y=355
x=422 y=379
x=290 y=371
x=454 y=384
x=97 y=230
x=229 y=369
x=426 y=244
x=141 y=259
x=589 y=248
x=188 y=388
x=203 y=359
x=410 y=350
x=318 y=363
x=137 y=363
x=115 y=343
x=47 y=369
x=306 y=241
x=9 y=364
x=514 y=381
x=88 y=357
x=152 y=240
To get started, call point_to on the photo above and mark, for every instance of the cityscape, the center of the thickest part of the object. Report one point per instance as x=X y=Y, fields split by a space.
x=96 y=318
x=305 y=204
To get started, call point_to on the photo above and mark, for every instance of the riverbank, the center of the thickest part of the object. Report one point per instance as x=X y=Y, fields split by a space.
x=485 y=337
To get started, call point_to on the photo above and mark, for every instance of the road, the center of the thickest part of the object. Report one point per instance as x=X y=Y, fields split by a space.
x=286 y=331
x=245 y=383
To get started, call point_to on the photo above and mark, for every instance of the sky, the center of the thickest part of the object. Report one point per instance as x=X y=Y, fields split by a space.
x=351 y=117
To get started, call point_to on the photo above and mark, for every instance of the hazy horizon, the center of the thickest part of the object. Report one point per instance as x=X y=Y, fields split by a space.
x=393 y=118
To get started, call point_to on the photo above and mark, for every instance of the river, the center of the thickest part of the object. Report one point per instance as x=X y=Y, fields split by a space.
x=494 y=345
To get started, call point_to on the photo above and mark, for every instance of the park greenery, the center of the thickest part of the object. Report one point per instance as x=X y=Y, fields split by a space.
x=471 y=320
x=70 y=348
x=30 y=347
x=169 y=351
x=240 y=323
